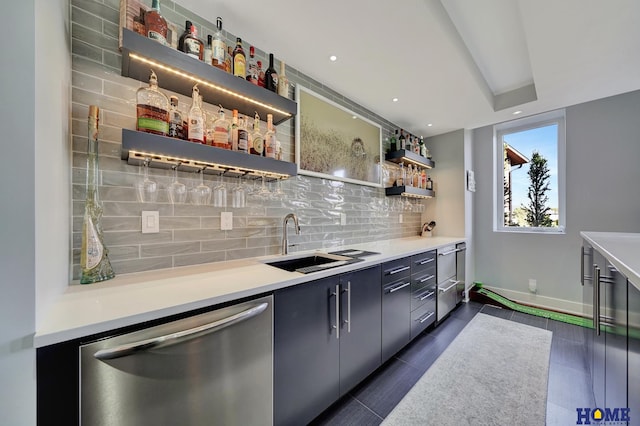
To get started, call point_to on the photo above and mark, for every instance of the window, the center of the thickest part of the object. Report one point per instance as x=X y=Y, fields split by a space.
x=529 y=174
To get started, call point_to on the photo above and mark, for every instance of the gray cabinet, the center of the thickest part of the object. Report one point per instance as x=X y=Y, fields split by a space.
x=633 y=354
x=396 y=306
x=327 y=338
x=423 y=291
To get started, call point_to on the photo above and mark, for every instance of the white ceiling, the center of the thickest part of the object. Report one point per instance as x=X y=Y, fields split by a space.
x=447 y=60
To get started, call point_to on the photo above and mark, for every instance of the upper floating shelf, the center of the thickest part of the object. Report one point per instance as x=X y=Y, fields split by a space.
x=406 y=156
x=178 y=72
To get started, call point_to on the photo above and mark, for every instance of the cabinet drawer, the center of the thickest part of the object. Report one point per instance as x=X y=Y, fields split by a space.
x=446 y=263
x=423 y=317
x=423 y=261
x=422 y=295
x=426 y=278
x=396 y=270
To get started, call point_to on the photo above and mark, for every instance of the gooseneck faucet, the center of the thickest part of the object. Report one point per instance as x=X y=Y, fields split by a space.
x=285 y=240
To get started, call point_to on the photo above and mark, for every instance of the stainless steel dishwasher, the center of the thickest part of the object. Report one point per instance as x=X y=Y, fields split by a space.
x=214 y=368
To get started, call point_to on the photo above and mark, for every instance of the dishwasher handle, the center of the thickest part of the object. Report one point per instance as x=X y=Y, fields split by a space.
x=180 y=336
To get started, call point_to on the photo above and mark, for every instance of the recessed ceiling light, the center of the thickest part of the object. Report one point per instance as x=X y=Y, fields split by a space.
x=354 y=117
x=395 y=99
x=429 y=125
x=333 y=58
x=517 y=112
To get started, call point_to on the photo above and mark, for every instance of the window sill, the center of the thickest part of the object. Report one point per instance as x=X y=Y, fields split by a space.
x=560 y=230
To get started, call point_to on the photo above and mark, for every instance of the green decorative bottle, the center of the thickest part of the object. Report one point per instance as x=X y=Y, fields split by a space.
x=94 y=259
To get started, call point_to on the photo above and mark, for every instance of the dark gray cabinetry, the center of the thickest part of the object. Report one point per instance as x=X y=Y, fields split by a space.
x=396 y=306
x=614 y=325
x=633 y=354
x=423 y=291
x=327 y=339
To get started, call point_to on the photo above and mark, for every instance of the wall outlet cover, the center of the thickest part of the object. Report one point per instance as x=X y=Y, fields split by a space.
x=226 y=221
x=533 y=285
x=150 y=222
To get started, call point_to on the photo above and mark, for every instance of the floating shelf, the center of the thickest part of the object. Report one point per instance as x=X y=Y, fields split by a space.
x=410 y=191
x=406 y=156
x=165 y=152
x=178 y=72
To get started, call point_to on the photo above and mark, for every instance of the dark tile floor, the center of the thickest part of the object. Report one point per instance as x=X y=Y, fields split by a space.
x=371 y=401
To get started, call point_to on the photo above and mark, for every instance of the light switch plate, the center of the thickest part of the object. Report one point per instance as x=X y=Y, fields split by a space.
x=150 y=222
x=226 y=221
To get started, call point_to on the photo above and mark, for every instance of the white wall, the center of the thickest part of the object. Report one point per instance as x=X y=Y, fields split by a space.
x=17 y=232
x=603 y=174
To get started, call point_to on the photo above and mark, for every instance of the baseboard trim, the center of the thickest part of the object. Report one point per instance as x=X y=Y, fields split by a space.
x=537 y=301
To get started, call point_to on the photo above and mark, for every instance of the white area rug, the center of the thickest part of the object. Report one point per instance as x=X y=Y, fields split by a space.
x=495 y=372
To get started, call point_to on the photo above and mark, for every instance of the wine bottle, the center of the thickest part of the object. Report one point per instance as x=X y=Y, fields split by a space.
x=401 y=140
x=94 y=256
x=271 y=76
x=239 y=60
x=393 y=142
x=155 y=25
x=218 y=46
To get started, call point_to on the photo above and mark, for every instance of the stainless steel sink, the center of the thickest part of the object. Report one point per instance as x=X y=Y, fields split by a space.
x=312 y=263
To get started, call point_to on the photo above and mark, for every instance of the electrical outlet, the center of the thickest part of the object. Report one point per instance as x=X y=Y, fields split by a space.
x=400 y=218
x=226 y=221
x=533 y=285
x=343 y=219
x=150 y=222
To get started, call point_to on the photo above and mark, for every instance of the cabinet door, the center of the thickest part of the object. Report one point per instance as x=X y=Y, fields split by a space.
x=615 y=319
x=634 y=353
x=586 y=280
x=306 y=351
x=396 y=316
x=599 y=337
x=360 y=326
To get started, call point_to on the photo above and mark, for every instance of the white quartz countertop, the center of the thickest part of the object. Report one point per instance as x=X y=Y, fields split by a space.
x=621 y=249
x=131 y=299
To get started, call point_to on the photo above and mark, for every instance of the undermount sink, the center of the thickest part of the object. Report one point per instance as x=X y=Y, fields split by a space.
x=312 y=263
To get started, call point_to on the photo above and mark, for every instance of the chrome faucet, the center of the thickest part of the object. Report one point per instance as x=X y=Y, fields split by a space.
x=285 y=240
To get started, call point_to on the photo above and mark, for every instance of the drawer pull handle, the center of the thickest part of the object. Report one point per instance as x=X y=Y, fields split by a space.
x=425 y=261
x=397 y=270
x=425 y=317
x=426 y=279
x=446 y=289
x=396 y=288
x=425 y=295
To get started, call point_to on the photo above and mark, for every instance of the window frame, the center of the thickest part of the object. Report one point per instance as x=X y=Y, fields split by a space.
x=557 y=117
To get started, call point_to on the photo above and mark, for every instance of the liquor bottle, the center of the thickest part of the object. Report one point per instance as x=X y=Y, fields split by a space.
x=228 y=61
x=196 y=118
x=423 y=179
x=219 y=47
x=401 y=176
x=270 y=138
x=429 y=183
x=423 y=147
x=393 y=142
x=233 y=134
x=138 y=24
x=401 y=140
x=416 y=177
x=409 y=180
x=243 y=135
x=260 y=74
x=221 y=129
x=408 y=145
x=257 y=141
x=252 y=67
x=208 y=51
x=283 y=82
x=155 y=24
x=239 y=60
x=270 y=76
x=190 y=43
x=175 y=120
x=152 y=108
x=94 y=256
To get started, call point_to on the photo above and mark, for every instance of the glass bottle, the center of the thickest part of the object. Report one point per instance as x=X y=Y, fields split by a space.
x=423 y=147
x=393 y=142
x=190 y=43
x=219 y=47
x=196 y=118
x=257 y=141
x=155 y=24
x=283 y=82
x=243 y=135
x=175 y=120
x=138 y=23
x=416 y=177
x=152 y=108
x=270 y=138
x=208 y=51
x=423 y=179
x=94 y=256
x=239 y=60
x=270 y=76
x=228 y=67
x=401 y=176
x=401 y=140
x=409 y=180
x=252 y=67
x=221 y=129
x=408 y=143
x=233 y=133
x=260 y=74
x=429 y=183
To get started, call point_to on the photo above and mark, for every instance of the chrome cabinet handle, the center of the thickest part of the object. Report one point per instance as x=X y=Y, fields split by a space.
x=596 y=299
x=425 y=317
x=582 y=266
x=424 y=261
x=427 y=294
x=397 y=270
x=337 y=327
x=180 y=336
x=396 y=288
x=348 y=320
x=444 y=290
x=426 y=279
